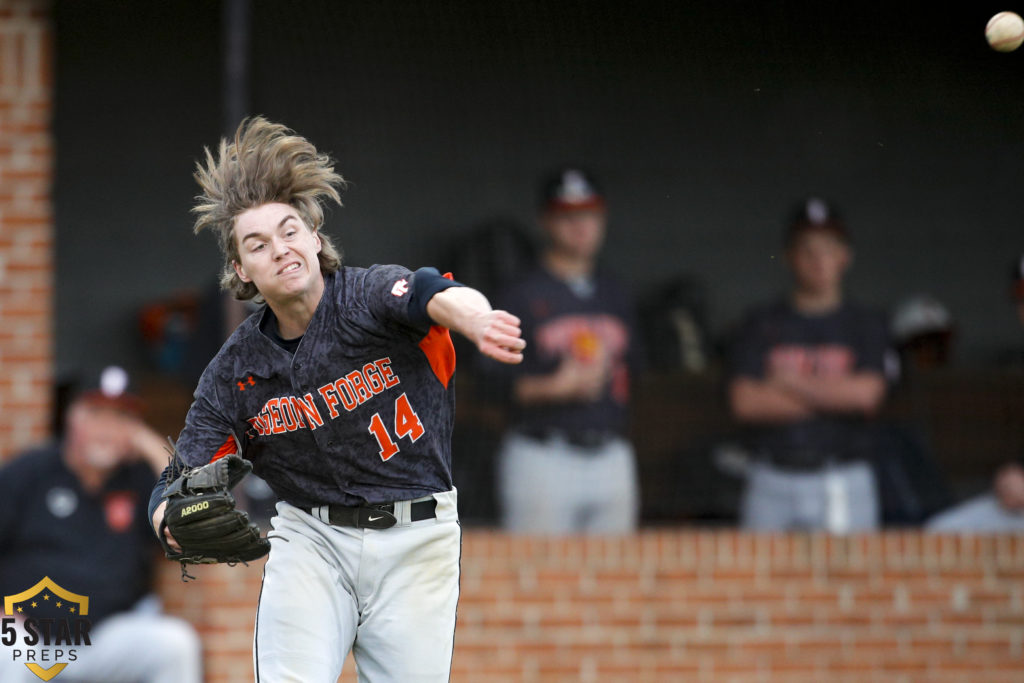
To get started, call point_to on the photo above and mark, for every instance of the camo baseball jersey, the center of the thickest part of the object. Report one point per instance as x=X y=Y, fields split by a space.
x=360 y=412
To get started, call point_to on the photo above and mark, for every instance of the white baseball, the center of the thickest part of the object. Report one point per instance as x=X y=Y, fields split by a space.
x=1005 y=31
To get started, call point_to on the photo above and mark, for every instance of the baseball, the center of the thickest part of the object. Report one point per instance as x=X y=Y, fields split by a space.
x=1005 y=31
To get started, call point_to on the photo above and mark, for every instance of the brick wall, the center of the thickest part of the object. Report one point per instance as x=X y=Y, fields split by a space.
x=689 y=605
x=26 y=224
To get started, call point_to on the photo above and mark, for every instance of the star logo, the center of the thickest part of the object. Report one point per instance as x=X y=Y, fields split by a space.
x=47 y=589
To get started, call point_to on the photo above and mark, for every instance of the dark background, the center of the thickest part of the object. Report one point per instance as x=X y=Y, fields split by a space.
x=705 y=121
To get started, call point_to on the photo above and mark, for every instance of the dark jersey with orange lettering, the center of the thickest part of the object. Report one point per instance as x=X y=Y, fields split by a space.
x=592 y=321
x=776 y=339
x=360 y=412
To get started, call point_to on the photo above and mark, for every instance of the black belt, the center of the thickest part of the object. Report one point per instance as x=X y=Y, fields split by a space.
x=378 y=516
x=580 y=439
x=803 y=462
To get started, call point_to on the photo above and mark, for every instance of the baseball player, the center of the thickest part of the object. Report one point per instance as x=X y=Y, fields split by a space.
x=807 y=372
x=566 y=464
x=339 y=392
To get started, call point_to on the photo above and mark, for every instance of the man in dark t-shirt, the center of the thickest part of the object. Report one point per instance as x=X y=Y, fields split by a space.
x=74 y=522
x=807 y=372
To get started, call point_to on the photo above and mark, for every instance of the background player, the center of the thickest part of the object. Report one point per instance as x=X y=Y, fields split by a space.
x=339 y=392
x=806 y=372
x=566 y=464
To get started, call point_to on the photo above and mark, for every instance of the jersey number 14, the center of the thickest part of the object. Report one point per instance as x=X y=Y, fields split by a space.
x=407 y=424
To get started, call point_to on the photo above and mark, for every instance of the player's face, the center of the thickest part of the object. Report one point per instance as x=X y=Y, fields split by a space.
x=819 y=259
x=578 y=233
x=278 y=253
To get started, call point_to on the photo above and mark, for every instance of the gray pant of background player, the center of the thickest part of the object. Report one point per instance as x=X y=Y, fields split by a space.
x=554 y=487
x=388 y=595
x=838 y=498
x=982 y=514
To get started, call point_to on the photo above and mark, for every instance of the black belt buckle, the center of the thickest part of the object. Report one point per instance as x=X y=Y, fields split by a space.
x=381 y=516
x=377 y=517
x=362 y=517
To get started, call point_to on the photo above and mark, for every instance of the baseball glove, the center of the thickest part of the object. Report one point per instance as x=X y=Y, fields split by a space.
x=202 y=517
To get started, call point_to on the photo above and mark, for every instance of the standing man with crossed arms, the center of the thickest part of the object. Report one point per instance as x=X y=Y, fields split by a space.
x=339 y=391
x=566 y=464
x=808 y=372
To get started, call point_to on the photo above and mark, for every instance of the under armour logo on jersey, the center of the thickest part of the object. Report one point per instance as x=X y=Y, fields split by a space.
x=400 y=288
x=241 y=384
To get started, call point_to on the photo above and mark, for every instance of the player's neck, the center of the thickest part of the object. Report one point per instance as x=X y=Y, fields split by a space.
x=567 y=266
x=292 y=320
x=293 y=314
x=816 y=302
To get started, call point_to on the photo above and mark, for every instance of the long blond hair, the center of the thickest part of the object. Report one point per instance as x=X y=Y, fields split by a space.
x=267 y=162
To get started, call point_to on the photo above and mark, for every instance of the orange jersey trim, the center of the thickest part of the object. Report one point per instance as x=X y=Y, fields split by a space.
x=437 y=346
x=226 y=448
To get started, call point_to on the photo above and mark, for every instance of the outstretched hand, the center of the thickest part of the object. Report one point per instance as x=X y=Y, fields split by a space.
x=495 y=333
x=498 y=336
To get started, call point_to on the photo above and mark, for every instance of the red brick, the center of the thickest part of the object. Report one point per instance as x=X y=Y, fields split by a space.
x=1006 y=618
x=788 y=620
x=734 y=619
x=692 y=627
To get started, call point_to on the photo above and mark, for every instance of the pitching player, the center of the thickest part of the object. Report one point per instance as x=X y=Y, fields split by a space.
x=339 y=391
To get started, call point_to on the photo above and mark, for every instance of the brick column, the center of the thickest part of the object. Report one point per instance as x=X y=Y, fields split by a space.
x=26 y=224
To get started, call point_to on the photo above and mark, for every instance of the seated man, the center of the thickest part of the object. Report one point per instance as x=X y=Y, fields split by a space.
x=76 y=512
x=1001 y=509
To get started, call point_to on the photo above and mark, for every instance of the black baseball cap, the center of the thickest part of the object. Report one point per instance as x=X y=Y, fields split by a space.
x=569 y=188
x=815 y=213
x=110 y=388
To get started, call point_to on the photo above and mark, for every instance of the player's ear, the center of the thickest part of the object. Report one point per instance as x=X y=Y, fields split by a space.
x=240 y=272
x=316 y=238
